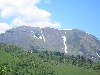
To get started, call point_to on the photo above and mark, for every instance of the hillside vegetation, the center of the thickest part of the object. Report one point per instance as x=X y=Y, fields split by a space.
x=16 y=61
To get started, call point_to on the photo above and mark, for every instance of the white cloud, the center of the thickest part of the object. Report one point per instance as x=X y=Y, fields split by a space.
x=6 y=12
x=33 y=13
x=4 y=27
x=26 y=13
x=41 y=24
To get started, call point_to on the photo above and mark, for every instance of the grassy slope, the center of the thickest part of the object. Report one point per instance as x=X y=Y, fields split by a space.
x=63 y=69
x=60 y=68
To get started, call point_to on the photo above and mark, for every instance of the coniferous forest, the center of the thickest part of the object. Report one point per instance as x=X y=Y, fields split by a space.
x=17 y=61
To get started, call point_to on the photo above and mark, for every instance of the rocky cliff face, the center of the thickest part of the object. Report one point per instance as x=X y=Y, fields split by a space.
x=71 y=42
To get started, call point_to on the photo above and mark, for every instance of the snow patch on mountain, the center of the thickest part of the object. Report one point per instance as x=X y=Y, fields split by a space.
x=64 y=39
x=67 y=29
x=35 y=36
x=32 y=31
x=97 y=54
x=62 y=48
x=42 y=35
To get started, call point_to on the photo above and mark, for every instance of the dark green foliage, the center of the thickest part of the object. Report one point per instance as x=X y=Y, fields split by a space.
x=20 y=62
x=16 y=61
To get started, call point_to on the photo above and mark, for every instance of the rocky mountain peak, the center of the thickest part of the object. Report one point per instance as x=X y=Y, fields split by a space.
x=68 y=41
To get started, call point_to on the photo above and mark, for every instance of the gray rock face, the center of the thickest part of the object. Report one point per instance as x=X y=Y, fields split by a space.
x=71 y=42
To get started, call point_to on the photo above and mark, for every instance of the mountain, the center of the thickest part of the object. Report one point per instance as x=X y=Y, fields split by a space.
x=67 y=41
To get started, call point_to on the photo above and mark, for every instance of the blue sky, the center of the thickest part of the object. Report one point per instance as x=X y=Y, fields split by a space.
x=77 y=14
x=66 y=14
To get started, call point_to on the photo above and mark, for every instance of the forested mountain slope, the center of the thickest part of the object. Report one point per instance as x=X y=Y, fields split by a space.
x=16 y=61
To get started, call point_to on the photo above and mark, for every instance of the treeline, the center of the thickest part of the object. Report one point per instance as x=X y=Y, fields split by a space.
x=16 y=61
